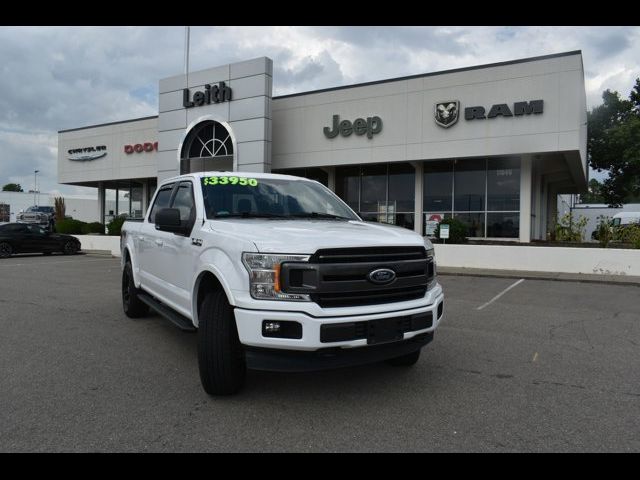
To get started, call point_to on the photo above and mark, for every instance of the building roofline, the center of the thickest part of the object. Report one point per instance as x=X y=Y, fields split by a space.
x=375 y=82
x=106 y=124
x=442 y=72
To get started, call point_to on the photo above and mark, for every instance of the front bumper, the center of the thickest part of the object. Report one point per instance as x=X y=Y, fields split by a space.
x=277 y=360
x=249 y=324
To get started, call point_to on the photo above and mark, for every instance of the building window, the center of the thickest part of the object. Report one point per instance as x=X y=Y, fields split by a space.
x=382 y=193
x=482 y=193
x=5 y=215
x=207 y=147
x=317 y=174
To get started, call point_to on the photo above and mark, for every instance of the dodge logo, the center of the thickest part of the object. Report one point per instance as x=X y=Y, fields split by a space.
x=382 y=276
x=446 y=113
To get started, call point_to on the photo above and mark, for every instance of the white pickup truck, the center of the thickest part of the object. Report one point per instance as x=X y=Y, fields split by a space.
x=277 y=273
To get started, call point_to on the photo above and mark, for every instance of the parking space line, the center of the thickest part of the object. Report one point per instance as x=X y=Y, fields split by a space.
x=500 y=294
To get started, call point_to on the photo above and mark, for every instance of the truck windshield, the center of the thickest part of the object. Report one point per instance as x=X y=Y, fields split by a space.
x=246 y=197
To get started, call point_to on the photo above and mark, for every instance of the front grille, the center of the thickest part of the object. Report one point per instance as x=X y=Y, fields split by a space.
x=375 y=297
x=339 y=277
x=368 y=254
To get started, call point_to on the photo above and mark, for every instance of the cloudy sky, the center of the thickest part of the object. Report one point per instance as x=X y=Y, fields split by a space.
x=54 y=78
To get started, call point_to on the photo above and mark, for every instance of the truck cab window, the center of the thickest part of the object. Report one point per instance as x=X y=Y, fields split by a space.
x=161 y=201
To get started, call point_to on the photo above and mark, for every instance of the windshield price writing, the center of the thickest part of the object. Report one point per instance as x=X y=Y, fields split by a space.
x=252 y=182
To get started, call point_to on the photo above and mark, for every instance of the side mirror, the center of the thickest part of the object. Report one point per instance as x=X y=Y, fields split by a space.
x=168 y=220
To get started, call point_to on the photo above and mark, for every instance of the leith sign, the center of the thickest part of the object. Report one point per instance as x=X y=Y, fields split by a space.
x=212 y=94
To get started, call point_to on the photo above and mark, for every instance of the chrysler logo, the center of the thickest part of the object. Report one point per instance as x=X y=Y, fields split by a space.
x=446 y=113
x=382 y=276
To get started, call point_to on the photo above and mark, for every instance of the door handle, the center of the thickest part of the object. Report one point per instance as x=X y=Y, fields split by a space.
x=141 y=238
x=159 y=242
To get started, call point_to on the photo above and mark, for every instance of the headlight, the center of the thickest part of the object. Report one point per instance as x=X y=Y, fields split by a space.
x=428 y=246
x=431 y=253
x=264 y=276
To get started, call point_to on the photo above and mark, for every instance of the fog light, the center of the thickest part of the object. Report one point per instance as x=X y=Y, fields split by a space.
x=271 y=326
x=281 y=329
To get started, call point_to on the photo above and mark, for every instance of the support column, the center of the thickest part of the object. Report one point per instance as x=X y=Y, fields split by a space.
x=101 y=198
x=145 y=195
x=525 y=198
x=331 y=180
x=418 y=215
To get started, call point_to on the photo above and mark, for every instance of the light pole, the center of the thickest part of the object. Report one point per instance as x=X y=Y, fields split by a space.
x=35 y=186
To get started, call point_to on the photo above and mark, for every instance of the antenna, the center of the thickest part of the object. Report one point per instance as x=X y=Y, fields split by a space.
x=187 y=34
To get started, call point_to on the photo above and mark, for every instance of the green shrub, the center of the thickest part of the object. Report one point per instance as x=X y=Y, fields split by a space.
x=457 y=231
x=93 y=227
x=115 y=225
x=628 y=234
x=570 y=229
x=70 y=226
x=604 y=232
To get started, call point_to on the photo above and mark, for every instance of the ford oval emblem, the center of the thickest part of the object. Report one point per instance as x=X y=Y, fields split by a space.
x=382 y=276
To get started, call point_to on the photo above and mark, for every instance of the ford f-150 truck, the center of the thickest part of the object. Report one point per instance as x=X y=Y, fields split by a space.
x=276 y=272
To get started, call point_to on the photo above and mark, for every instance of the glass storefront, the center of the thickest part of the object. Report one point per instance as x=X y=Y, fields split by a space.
x=379 y=193
x=317 y=174
x=482 y=193
x=125 y=198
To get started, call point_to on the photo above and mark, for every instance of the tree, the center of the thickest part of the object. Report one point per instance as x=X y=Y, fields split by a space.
x=60 y=208
x=614 y=144
x=594 y=195
x=12 y=187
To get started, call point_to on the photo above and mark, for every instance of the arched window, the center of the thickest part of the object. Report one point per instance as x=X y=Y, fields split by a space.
x=207 y=147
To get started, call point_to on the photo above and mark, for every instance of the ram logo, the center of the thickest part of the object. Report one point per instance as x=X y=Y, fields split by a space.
x=446 y=113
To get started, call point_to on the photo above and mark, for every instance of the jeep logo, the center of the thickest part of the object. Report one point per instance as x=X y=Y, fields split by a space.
x=382 y=276
x=360 y=126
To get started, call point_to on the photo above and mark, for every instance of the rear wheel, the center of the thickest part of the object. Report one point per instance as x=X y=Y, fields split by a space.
x=220 y=354
x=5 y=250
x=70 y=248
x=131 y=303
x=405 y=360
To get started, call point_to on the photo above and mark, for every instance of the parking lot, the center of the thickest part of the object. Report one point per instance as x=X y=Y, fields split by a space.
x=546 y=366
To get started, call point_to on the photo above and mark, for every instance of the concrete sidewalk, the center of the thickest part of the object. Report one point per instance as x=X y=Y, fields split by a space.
x=573 y=277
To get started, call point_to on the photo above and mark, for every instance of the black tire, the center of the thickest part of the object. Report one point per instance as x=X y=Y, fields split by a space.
x=132 y=305
x=46 y=253
x=405 y=360
x=70 y=248
x=5 y=250
x=221 y=358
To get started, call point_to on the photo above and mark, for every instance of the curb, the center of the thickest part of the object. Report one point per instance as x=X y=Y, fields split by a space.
x=98 y=253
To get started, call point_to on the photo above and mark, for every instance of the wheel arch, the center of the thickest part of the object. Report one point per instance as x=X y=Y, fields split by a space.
x=207 y=281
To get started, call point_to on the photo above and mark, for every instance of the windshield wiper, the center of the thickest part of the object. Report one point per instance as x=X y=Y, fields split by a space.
x=319 y=215
x=250 y=215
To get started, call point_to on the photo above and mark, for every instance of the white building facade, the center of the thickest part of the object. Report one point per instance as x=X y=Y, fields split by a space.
x=491 y=145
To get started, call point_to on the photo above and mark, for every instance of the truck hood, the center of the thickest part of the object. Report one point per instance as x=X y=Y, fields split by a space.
x=308 y=235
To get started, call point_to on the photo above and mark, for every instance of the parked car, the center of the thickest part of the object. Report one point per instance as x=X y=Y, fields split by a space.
x=27 y=238
x=38 y=215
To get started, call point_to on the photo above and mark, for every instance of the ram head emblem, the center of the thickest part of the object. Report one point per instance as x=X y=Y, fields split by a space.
x=446 y=113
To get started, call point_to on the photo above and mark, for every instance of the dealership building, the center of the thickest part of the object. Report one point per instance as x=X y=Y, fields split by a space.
x=492 y=145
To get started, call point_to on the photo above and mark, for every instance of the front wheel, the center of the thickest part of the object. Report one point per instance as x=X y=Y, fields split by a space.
x=405 y=360
x=221 y=357
x=5 y=250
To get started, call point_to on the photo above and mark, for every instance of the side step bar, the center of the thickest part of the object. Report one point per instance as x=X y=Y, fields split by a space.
x=180 y=321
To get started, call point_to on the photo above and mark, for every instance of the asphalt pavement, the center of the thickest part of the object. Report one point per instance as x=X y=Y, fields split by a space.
x=527 y=366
